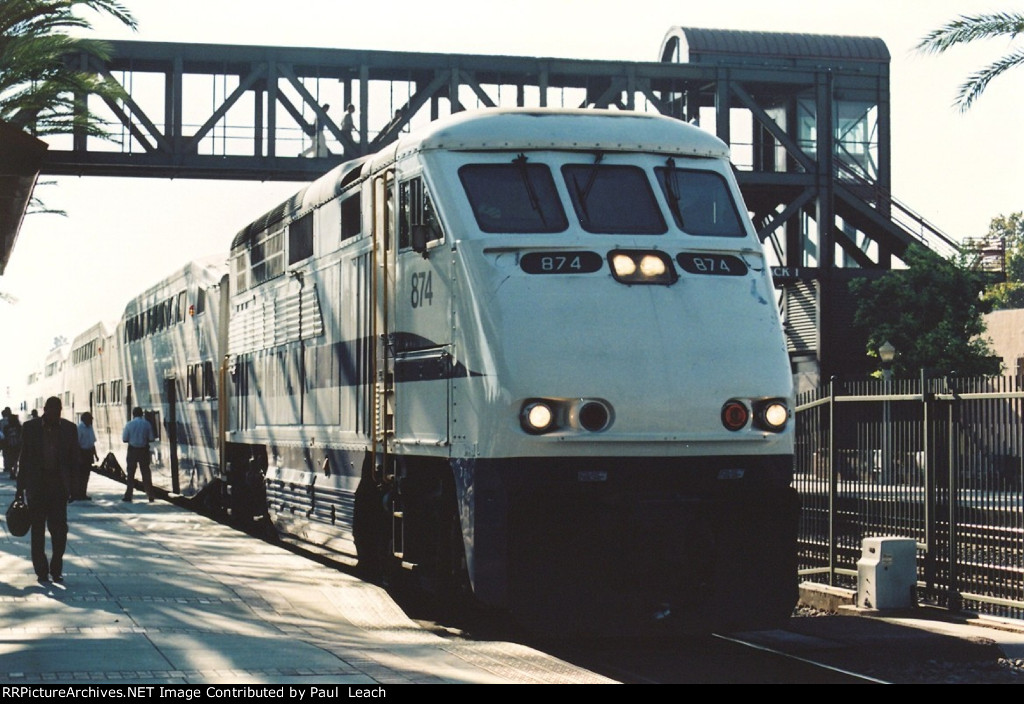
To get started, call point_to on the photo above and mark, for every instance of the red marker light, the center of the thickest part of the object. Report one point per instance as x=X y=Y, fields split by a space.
x=734 y=415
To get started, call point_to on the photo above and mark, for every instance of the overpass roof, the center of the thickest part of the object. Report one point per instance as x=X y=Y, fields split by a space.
x=698 y=45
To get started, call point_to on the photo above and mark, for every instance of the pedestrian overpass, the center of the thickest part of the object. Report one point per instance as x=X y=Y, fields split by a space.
x=806 y=116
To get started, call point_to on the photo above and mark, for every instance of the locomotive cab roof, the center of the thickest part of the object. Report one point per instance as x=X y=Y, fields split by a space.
x=505 y=129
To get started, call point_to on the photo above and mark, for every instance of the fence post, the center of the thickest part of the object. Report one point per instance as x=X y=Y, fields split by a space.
x=833 y=481
x=955 y=602
x=928 y=402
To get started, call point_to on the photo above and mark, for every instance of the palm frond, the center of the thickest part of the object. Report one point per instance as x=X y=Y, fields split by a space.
x=978 y=81
x=970 y=28
x=22 y=17
x=40 y=90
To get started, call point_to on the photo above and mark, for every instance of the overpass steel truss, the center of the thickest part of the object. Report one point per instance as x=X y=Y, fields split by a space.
x=251 y=112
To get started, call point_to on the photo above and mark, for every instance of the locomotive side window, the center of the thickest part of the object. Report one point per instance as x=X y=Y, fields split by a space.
x=415 y=208
x=700 y=201
x=516 y=197
x=351 y=217
x=300 y=239
x=266 y=256
x=613 y=199
x=240 y=265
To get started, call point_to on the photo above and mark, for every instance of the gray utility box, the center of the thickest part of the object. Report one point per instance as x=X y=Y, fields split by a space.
x=887 y=573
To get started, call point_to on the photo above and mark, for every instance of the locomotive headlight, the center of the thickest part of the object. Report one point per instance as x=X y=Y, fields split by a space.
x=642 y=267
x=623 y=265
x=771 y=415
x=652 y=266
x=536 y=417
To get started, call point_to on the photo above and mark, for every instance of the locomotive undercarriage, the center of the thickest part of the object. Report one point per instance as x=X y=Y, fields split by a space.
x=566 y=545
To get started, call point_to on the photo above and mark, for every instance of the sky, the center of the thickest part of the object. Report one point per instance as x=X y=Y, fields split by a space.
x=120 y=236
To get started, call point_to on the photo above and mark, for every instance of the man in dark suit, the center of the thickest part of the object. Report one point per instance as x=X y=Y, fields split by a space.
x=49 y=456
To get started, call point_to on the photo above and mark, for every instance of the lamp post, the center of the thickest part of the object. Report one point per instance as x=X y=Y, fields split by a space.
x=886 y=353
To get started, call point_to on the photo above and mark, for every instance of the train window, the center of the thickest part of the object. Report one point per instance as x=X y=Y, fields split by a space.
x=516 y=197
x=192 y=382
x=415 y=208
x=240 y=265
x=351 y=217
x=179 y=308
x=267 y=257
x=699 y=201
x=300 y=239
x=131 y=326
x=613 y=199
x=209 y=381
x=83 y=353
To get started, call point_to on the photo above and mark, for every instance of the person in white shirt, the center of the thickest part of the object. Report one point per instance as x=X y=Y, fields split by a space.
x=87 y=447
x=138 y=434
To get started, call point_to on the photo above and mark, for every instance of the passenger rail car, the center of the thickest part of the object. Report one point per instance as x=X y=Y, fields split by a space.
x=90 y=383
x=528 y=354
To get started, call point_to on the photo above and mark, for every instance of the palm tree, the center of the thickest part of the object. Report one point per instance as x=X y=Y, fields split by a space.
x=40 y=92
x=967 y=29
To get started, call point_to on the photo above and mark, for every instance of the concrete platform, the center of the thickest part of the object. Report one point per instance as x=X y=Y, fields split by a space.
x=154 y=594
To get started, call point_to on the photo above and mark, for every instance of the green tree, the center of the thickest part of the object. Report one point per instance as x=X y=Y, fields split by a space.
x=1009 y=293
x=40 y=92
x=931 y=312
x=970 y=28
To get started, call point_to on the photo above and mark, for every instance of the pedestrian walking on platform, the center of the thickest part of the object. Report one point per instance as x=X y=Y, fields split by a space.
x=49 y=456
x=10 y=441
x=138 y=434
x=87 y=454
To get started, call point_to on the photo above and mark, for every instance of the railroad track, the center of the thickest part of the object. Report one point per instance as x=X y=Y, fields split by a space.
x=713 y=659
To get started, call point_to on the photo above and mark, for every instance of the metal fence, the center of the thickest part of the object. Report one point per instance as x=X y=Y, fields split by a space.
x=935 y=460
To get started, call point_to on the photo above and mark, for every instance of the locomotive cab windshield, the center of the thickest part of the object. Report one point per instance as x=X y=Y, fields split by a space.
x=611 y=196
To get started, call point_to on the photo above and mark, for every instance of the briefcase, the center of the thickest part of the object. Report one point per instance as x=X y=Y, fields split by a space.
x=18 y=518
